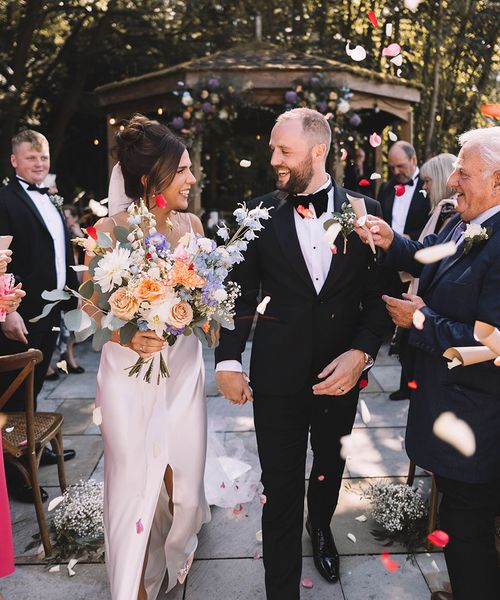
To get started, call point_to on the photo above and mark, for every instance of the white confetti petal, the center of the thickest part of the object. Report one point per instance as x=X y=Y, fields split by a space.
x=424 y=193
x=97 y=208
x=258 y=535
x=261 y=308
x=434 y=566
x=456 y=432
x=352 y=537
x=392 y=136
x=332 y=232
x=365 y=413
x=79 y=268
x=375 y=176
x=71 y=564
x=398 y=72
x=346 y=446
x=435 y=253
x=63 y=365
x=54 y=503
x=388 y=29
x=418 y=319
x=397 y=60
x=9 y=429
x=362 y=518
x=358 y=53
x=97 y=416
x=41 y=551
x=56 y=329
x=55 y=569
x=412 y=4
x=245 y=163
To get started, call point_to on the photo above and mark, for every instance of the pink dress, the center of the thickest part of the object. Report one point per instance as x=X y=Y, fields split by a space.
x=6 y=548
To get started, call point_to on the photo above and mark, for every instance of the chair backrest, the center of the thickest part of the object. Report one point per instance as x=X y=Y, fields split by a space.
x=24 y=362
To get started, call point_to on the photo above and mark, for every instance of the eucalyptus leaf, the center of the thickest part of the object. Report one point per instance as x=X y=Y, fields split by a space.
x=101 y=336
x=77 y=320
x=93 y=264
x=102 y=300
x=86 y=289
x=121 y=234
x=80 y=336
x=112 y=322
x=54 y=295
x=127 y=332
x=46 y=310
x=104 y=240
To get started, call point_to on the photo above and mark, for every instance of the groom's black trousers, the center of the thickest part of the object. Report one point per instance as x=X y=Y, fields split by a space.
x=282 y=424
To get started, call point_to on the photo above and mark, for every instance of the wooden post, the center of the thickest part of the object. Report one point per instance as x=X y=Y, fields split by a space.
x=407 y=127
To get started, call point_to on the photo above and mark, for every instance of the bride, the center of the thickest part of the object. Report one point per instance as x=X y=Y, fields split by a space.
x=154 y=435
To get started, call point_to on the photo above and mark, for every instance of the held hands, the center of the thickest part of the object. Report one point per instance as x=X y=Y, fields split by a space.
x=381 y=232
x=5 y=259
x=14 y=328
x=12 y=300
x=341 y=375
x=401 y=311
x=146 y=343
x=234 y=386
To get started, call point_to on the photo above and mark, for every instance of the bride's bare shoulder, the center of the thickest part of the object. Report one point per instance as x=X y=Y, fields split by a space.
x=195 y=223
x=107 y=224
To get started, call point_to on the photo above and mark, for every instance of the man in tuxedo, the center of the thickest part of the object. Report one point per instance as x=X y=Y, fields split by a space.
x=41 y=260
x=453 y=294
x=321 y=330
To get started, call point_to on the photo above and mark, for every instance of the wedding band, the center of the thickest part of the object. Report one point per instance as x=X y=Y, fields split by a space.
x=341 y=390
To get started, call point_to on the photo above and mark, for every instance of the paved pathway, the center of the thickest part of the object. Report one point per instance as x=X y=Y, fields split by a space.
x=227 y=566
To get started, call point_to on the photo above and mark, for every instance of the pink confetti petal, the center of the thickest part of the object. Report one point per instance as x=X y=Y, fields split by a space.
x=305 y=212
x=237 y=510
x=333 y=248
x=222 y=485
x=439 y=538
x=343 y=154
x=413 y=385
x=390 y=564
x=391 y=50
x=139 y=527
x=321 y=478
x=307 y=583
x=263 y=498
x=256 y=555
x=375 y=140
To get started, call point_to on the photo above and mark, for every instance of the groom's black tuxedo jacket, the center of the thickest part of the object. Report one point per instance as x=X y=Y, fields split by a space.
x=302 y=331
x=33 y=257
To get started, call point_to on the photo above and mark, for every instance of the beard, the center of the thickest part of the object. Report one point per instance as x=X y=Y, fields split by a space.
x=299 y=178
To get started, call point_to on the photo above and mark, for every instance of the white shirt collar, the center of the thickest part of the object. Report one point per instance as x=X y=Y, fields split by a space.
x=487 y=214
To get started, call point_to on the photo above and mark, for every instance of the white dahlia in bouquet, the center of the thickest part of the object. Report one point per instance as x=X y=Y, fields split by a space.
x=140 y=282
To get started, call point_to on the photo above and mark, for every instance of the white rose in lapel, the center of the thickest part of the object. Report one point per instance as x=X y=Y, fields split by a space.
x=475 y=234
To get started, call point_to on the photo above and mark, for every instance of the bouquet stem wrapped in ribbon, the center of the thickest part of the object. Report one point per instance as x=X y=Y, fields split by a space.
x=139 y=282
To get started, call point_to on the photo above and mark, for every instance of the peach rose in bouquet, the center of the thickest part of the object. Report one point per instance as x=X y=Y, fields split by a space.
x=181 y=314
x=149 y=290
x=123 y=304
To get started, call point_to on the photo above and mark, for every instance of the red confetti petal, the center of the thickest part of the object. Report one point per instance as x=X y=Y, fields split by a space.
x=139 y=527
x=364 y=182
x=307 y=583
x=389 y=564
x=321 y=478
x=439 y=538
x=491 y=110
x=373 y=18
x=363 y=383
x=399 y=189
x=333 y=248
x=160 y=201
x=305 y=212
x=237 y=510
x=412 y=385
x=256 y=555
x=92 y=232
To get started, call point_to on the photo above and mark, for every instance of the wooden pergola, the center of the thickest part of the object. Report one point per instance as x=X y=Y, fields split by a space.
x=271 y=71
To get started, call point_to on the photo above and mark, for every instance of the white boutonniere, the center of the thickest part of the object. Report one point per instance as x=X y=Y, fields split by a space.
x=475 y=234
x=56 y=200
x=344 y=223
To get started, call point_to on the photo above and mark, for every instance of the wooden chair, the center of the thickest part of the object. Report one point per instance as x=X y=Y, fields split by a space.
x=433 y=502
x=31 y=432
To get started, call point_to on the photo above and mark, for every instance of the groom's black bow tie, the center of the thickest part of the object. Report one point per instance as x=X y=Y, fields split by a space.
x=34 y=188
x=410 y=183
x=319 y=200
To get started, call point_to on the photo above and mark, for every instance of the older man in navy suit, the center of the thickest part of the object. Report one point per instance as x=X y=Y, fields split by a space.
x=453 y=294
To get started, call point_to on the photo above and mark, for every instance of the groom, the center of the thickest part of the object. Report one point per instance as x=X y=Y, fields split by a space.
x=321 y=330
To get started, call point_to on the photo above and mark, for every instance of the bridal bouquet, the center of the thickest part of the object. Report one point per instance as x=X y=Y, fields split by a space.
x=141 y=282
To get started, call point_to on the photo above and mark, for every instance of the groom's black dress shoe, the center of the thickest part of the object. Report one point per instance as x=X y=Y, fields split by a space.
x=49 y=457
x=24 y=493
x=325 y=555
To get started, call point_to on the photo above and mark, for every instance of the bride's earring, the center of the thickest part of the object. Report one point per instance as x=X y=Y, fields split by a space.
x=160 y=201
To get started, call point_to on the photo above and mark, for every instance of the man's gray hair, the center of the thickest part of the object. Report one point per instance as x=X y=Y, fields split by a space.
x=314 y=124
x=406 y=147
x=488 y=142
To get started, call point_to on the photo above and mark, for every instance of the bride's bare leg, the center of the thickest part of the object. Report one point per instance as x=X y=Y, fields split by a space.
x=169 y=484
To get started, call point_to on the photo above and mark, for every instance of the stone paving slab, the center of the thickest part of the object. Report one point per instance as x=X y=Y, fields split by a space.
x=387 y=376
x=224 y=416
x=77 y=414
x=76 y=386
x=384 y=412
x=433 y=567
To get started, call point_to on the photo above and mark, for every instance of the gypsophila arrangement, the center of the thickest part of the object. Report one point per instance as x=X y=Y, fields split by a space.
x=401 y=513
x=77 y=525
x=346 y=220
x=142 y=283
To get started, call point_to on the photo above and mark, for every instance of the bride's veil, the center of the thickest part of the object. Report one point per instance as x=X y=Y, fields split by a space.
x=117 y=199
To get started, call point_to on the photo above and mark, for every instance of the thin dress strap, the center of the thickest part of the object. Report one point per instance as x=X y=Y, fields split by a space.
x=115 y=223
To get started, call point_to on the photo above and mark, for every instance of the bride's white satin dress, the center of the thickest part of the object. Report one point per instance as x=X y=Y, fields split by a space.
x=146 y=427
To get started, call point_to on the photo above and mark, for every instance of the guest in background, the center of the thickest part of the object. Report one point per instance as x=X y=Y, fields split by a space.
x=357 y=174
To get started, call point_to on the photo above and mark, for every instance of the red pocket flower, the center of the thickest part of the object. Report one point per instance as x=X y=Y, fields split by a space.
x=400 y=189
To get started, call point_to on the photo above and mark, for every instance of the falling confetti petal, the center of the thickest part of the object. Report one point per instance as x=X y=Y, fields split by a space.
x=439 y=538
x=452 y=430
x=363 y=383
x=9 y=429
x=321 y=478
x=399 y=189
x=333 y=249
x=55 y=569
x=398 y=72
x=423 y=192
x=491 y=110
x=92 y=232
x=97 y=208
x=63 y=365
x=375 y=140
x=364 y=182
x=56 y=329
x=261 y=308
x=305 y=212
x=245 y=163
x=413 y=385
x=307 y=583
x=79 y=268
x=54 y=503
x=97 y=416
x=332 y=232
x=222 y=486
x=71 y=564
x=346 y=446
x=365 y=413
x=397 y=60
x=256 y=555
x=343 y=154
x=358 y=53
x=412 y=4
x=390 y=564
x=434 y=566
x=392 y=136
x=139 y=527
x=391 y=50
x=418 y=319
x=373 y=18
x=237 y=510
x=375 y=176
x=160 y=201
x=352 y=537
x=435 y=253
x=362 y=518
x=388 y=29
x=258 y=535
x=263 y=498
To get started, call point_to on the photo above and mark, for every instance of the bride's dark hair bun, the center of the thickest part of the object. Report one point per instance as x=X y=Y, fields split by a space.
x=147 y=148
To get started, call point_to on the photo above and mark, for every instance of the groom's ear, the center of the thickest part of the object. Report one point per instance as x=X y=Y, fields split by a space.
x=320 y=151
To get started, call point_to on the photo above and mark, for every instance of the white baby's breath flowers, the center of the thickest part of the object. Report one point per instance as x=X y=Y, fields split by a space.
x=396 y=505
x=80 y=513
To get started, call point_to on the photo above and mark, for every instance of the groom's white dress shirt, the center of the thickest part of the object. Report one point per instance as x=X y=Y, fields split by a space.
x=316 y=253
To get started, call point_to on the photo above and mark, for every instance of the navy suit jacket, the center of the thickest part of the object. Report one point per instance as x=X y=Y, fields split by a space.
x=462 y=290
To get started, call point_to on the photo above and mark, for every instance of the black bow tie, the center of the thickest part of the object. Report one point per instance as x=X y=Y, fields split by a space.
x=410 y=183
x=319 y=200
x=34 y=188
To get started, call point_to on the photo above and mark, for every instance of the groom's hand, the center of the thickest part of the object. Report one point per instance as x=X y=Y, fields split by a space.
x=234 y=386
x=341 y=375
